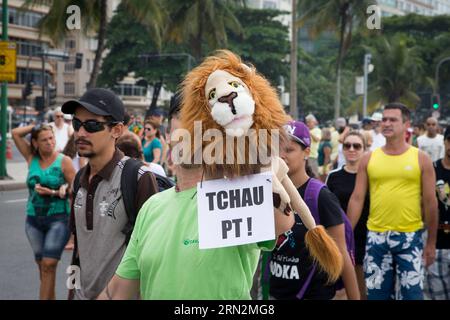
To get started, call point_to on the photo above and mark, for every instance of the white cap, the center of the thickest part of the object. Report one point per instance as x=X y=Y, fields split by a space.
x=340 y=122
x=67 y=116
x=377 y=116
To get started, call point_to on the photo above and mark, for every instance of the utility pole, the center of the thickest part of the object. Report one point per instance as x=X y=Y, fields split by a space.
x=293 y=94
x=4 y=99
x=367 y=58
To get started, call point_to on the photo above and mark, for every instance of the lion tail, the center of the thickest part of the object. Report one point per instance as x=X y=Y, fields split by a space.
x=325 y=252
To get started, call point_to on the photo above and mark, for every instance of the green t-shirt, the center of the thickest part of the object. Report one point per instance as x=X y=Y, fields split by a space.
x=163 y=253
x=51 y=177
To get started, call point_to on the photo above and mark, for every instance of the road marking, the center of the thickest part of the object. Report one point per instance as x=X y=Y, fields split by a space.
x=17 y=200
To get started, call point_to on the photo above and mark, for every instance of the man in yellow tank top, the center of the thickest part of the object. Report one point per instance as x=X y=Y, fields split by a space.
x=400 y=178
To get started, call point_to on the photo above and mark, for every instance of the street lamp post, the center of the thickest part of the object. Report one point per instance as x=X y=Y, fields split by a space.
x=4 y=99
x=293 y=94
x=55 y=54
x=367 y=58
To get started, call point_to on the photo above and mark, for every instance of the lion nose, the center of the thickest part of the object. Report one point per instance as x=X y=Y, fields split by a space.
x=229 y=99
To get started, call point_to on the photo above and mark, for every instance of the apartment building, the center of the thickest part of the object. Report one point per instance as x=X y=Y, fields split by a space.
x=22 y=29
x=423 y=7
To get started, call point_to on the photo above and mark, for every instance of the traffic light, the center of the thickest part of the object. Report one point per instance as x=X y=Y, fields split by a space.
x=39 y=103
x=78 y=60
x=51 y=95
x=28 y=89
x=435 y=101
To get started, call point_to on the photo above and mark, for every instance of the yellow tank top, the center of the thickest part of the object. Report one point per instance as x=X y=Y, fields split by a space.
x=395 y=191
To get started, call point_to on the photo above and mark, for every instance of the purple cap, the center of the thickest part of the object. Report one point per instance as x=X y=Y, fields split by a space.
x=298 y=131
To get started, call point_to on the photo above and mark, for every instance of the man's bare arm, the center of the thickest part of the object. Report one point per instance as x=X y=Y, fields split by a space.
x=356 y=203
x=430 y=206
x=120 y=289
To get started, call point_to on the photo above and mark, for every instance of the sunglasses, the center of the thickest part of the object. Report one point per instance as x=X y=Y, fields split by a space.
x=41 y=126
x=356 y=146
x=59 y=116
x=90 y=126
x=148 y=129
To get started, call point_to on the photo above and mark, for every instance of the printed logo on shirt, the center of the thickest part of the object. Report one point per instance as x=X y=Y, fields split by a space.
x=284 y=271
x=188 y=242
x=284 y=238
x=78 y=200
x=442 y=190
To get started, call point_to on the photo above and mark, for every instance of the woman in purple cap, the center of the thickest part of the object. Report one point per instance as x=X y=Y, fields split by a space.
x=293 y=274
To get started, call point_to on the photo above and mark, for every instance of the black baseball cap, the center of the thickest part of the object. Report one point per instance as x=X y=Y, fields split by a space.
x=102 y=102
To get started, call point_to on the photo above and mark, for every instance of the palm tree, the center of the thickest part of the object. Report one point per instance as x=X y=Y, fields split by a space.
x=94 y=19
x=398 y=71
x=200 y=21
x=340 y=15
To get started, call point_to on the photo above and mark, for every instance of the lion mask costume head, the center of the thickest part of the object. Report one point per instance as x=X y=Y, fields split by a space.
x=225 y=94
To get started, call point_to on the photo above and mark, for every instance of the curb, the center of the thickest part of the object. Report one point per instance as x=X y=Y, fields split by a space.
x=12 y=186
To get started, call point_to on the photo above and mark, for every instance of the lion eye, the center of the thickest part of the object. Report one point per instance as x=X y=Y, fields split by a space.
x=234 y=84
x=212 y=94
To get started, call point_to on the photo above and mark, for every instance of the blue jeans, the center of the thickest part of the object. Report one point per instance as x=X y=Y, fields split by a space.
x=392 y=256
x=47 y=235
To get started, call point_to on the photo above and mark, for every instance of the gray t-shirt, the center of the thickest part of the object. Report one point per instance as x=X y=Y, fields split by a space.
x=99 y=224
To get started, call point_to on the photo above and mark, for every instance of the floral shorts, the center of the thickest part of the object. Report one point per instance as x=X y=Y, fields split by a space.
x=393 y=265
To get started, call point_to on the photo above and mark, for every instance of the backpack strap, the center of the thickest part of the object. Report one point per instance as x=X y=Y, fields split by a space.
x=128 y=186
x=312 y=201
x=305 y=286
x=72 y=227
x=312 y=197
x=76 y=182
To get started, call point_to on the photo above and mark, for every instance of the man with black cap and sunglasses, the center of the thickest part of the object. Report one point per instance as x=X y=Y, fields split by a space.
x=98 y=215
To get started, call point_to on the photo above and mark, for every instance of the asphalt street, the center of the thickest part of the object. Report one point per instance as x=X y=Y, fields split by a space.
x=19 y=277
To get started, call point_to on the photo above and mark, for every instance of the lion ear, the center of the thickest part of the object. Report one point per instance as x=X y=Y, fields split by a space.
x=247 y=69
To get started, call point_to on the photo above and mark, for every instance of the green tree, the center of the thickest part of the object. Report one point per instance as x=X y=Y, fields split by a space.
x=94 y=20
x=430 y=38
x=342 y=16
x=264 y=42
x=200 y=22
x=315 y=87
x=127 y=40
x=398 y=71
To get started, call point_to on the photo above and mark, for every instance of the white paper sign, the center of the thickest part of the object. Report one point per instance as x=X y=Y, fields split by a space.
x=235 y=212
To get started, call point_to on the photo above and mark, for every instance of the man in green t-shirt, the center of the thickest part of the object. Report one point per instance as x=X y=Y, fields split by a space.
x=163 y=259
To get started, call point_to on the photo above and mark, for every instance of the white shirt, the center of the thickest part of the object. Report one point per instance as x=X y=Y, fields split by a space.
x=156 y=168
x=433 y=146
x=378 y=140
x=61 y=135
x=341 y=159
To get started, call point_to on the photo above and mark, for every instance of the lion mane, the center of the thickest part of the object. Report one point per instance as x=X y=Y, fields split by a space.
x=269 y=113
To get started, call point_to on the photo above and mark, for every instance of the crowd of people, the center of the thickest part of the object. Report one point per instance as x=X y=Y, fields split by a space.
x=383 y=184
